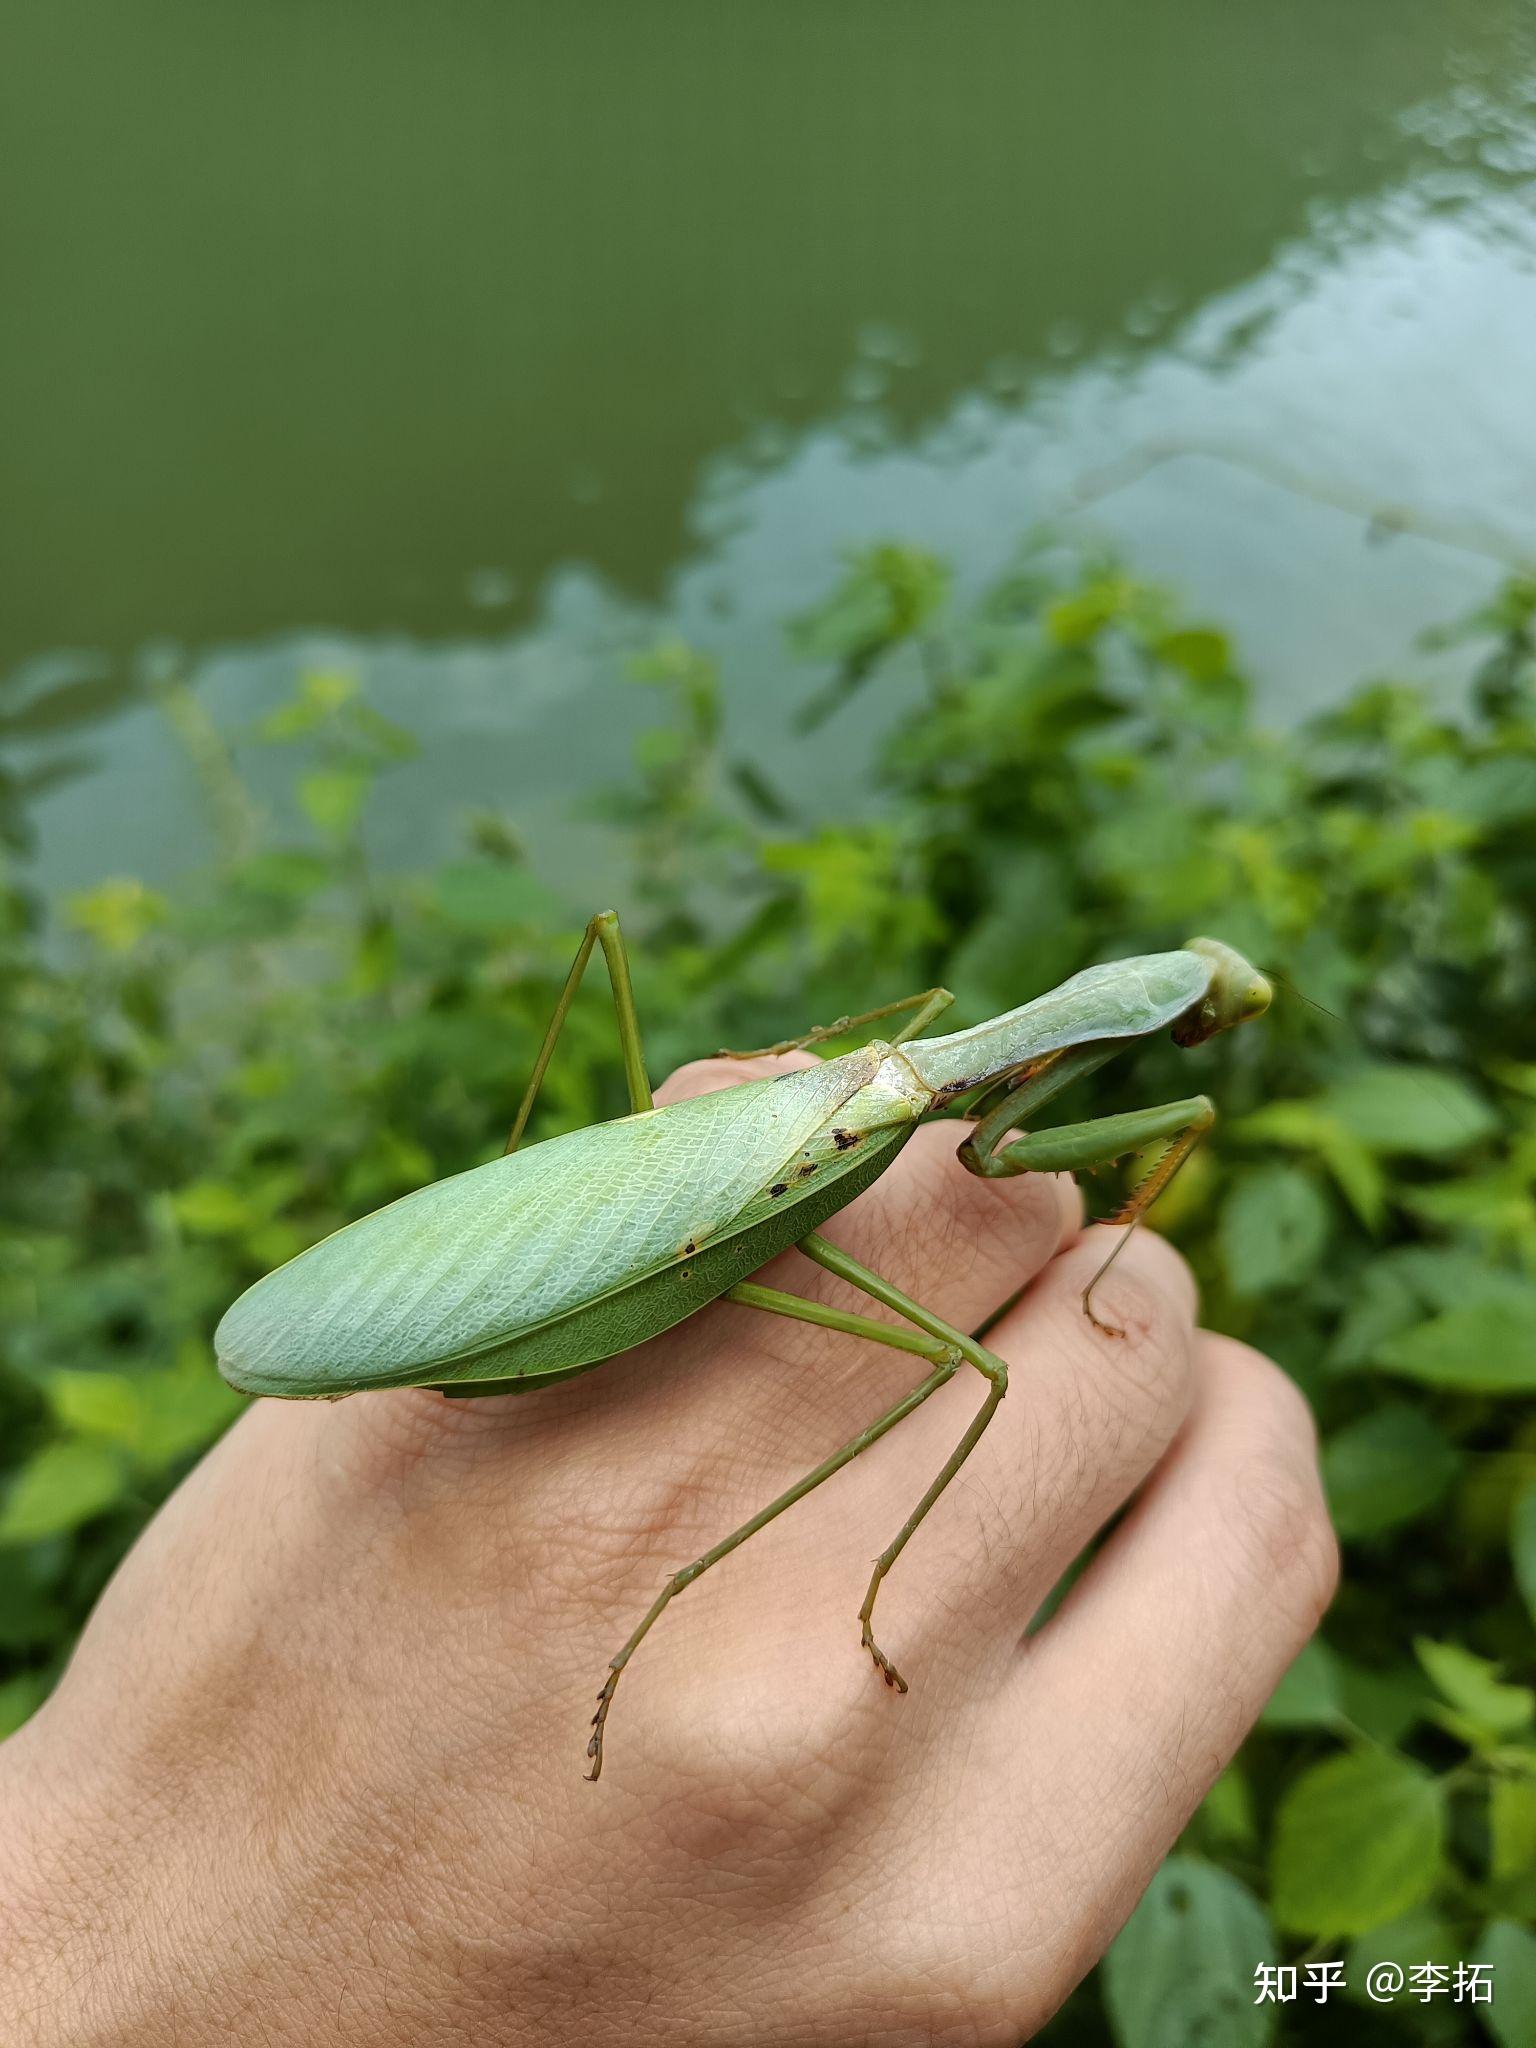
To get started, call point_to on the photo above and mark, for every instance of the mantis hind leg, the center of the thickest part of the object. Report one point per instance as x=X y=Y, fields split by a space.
x=926 y=1005
x=986 y=1362
x=945 y=1348
x=945 y=1359
x=602 y=931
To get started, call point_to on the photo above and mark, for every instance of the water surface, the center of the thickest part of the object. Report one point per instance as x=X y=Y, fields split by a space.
x=459 y=345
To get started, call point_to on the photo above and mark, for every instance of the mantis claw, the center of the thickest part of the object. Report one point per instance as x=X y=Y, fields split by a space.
x=1109 y=1329
x=595 y=1742
x=883 y=1664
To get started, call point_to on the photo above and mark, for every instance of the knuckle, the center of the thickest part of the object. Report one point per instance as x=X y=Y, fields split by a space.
x=1148 y=1368
x=389 y=1440
x=1276 y=1489
x=1010 y=1221
x=600 y=1536
x=1159 y=1264
x=1281 y=1410
x=1286 y=1534
x=760 y=1775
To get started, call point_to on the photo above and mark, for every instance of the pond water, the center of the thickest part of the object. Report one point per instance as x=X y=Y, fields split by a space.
x=459 y=346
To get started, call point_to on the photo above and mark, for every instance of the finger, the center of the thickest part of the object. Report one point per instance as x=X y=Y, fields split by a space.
x=1139 y=1691
x=958 y=1244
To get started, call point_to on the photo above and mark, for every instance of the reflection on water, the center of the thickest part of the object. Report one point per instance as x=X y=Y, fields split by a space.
x=1215 y=297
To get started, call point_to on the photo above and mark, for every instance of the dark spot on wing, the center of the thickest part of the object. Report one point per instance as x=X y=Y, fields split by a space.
x=780 y=1187
x=808 y=1168
x=843 y=1139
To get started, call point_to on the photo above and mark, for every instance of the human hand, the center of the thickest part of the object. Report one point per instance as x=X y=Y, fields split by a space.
x=316 y=1772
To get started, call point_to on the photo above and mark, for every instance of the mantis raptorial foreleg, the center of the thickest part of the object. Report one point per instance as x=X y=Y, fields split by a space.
x=1070 y=1148
x=1146 y=1191
x=933 y=1339
x=926 y=1005
x=602 y=931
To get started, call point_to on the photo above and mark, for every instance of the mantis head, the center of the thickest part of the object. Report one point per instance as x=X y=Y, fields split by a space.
x=1237 y=992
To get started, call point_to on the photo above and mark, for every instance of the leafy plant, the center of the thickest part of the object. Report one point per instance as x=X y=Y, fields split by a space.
x=195 y=1085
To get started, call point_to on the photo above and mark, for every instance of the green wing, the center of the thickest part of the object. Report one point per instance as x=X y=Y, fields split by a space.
x=480 y=1258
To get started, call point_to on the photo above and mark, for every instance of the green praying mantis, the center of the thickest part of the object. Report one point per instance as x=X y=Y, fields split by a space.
x=546 y=1261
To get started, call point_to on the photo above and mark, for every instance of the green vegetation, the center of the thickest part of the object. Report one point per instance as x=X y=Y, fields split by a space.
x=193 y=1088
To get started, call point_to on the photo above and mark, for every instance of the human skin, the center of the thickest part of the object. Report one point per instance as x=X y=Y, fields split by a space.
x=315 y=1774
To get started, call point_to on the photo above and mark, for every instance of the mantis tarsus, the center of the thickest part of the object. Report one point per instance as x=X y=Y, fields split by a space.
x=545 y=1262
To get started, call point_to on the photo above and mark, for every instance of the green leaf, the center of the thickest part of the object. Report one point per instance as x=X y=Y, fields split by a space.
x=1485 y=1710
x=333 y=798
x=118 y=914
x=1304 y=1127
x=1273 y=1227
x=155 y=1416
x=1023 y=940
x=282 y=875
x=1416 y=1938
x=888 y=597
x=20 y=1697
x=392 y=741
x=1447 y=1277
x=1419 y=1112
x=1496 y=1206
x=1522 y=1546
x=1384 y=1704
x=1358 y=1177
x=63 y=1485
x=213 y=1208
x=1497 y=792
x=104 y=1404
x=1512 y=1828
x=1077 y=619
x=490 y=896
x=1359 y=1840
x=1509 y=1951
x=1181 y=1974
x=320 y=695
x=1201 y=654
x=1310 y=1695
x=1227 y=1810
x=182 y=1408
x=28 y=1616
x=1382 y=1302
x=1385 y=1469
x=1484 y=1348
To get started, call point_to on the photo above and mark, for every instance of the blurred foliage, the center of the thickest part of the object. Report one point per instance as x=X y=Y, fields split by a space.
x=195 y=1086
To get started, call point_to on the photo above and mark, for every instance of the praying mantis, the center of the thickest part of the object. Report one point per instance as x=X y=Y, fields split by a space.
x=549 y=1260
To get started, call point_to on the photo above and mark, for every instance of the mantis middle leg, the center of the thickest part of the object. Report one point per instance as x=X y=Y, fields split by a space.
x=943 y=1346
x=602 y=931
x=926 y=1005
